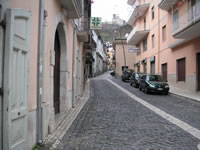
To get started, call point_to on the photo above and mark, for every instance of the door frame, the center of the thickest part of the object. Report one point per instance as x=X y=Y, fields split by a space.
x=197 y=71
x=166 y=69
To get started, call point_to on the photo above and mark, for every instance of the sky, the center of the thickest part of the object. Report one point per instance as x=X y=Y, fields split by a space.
x=106 y=9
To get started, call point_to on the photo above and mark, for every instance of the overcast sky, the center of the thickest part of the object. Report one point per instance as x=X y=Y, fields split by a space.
x=106 y=9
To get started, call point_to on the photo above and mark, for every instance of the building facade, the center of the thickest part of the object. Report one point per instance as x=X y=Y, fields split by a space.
x=99 y=55
x=123 y=56
x=43 y=47
x=167 y=35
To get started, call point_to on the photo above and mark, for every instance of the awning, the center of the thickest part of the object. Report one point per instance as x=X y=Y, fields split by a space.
x=144 y=61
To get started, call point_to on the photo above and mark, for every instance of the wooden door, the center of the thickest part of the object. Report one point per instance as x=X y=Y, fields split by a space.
x=57 y=75
x=181 y=71
x=164 y=71
x=198 y=71
x=15 y=100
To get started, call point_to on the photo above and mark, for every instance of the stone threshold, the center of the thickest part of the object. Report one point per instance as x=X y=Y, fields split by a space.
x=53 y=140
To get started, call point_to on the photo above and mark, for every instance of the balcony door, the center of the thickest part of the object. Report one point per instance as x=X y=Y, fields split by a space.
x=193 y=10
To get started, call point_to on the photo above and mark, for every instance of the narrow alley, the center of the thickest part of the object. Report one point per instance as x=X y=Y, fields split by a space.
x=111 y=119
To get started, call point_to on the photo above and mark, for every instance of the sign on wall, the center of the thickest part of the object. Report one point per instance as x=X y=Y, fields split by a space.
x=95 y=23
x=133 y=49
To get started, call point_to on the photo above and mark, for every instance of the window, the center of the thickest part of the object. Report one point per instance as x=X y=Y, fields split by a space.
x=153 y=40
x=145 y=67
x=164 y=33
x=175 y=20
x=138 y=53
x=181 y=69
x=152 y=12
x=144 y=44
x=144 y=23
x=153 y=67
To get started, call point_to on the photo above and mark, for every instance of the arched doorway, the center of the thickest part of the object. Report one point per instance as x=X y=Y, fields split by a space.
x=56 y=91
x=60 y=71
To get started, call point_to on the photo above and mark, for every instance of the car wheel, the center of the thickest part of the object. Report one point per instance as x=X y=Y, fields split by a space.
x=146 y=90
x=131 y=84
x=166 y=93
x=140 y=88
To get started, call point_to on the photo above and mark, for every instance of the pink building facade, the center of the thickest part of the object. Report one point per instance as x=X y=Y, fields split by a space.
x=167 y=33
x=34 y=104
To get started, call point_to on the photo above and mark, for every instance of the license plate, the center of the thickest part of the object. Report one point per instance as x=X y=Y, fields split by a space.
x=160 y=89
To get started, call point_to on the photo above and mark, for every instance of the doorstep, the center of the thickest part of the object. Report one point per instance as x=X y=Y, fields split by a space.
x=54 y=139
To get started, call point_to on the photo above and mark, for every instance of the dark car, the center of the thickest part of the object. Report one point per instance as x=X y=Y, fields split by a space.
x=126 y=74
x=135 y=79
x=112 y=73
x=153 y=83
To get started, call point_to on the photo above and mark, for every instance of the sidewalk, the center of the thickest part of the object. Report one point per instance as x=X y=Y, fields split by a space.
x=53 y=140
x=185 y=93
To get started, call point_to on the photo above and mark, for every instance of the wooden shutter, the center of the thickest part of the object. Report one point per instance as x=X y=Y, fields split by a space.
x=15 y=99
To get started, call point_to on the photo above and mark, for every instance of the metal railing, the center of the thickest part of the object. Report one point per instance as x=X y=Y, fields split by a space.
x=137 y=3
x=189 y=18
x=78 y=4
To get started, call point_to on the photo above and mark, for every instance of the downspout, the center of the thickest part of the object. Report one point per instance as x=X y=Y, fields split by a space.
x=3 y=7
x=44 y=81
x=39 y=74
x=158 y=40
x=73 y=73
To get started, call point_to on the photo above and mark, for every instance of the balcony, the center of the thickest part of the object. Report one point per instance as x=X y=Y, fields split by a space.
x=136 y=36
x=138 y=11
x=131 y=2
x=83 y=31
x=187 y=26
x=167 y=4
x=74 y=8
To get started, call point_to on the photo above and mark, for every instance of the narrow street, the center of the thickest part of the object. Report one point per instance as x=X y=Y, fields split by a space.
x=111 y=119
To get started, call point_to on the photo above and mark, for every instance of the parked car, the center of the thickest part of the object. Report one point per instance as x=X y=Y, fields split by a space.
x=135 y=79
x=112 y=73
x=126 y=74
x=153 y=83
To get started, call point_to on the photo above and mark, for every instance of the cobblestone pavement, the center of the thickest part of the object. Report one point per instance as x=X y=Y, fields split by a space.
x=110 y=120
x=184 y=109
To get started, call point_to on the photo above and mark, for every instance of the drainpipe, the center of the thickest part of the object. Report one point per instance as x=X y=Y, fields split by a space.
x=158 y=40
x=3 y=6
x=44 y=64
x=73 y=73
x=39 y=75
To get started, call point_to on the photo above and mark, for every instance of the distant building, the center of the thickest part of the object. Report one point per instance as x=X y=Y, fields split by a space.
x=122 y=56
x=117 y=20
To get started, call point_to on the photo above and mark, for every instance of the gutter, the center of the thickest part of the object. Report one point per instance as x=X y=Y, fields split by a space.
x=39 y=74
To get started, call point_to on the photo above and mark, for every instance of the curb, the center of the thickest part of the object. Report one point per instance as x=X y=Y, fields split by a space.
x=178 y=95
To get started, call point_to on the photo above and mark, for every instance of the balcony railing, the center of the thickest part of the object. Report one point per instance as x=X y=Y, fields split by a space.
x=137 y=34
x=74 y=8
x=187 y=21
x=138 y=10
x=166 y=4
